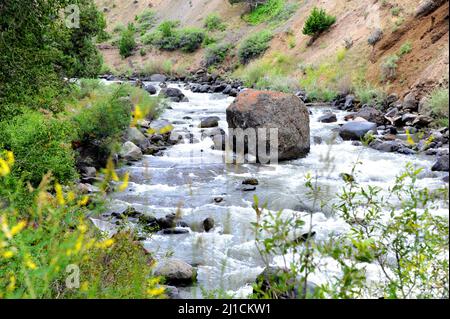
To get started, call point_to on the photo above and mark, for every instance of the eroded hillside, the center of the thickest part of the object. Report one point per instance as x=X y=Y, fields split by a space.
x=424 y=37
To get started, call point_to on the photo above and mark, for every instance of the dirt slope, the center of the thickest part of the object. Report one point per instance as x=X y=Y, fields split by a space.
x=356 y=20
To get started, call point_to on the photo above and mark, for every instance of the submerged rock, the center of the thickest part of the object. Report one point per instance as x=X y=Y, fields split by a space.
x=250 y=181
x=328 y=118
x=210 y=121
x=208 y=224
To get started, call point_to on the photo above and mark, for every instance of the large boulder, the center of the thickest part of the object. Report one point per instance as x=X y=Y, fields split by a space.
x=158 y=78
x=355 y=130
x=371 y=114
x=253 y=109
x=176 y=272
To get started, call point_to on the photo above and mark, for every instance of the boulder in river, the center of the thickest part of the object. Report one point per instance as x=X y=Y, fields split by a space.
x=286 y=113
x=137 y=137
x=371 y=114
x=328 y=118
x=176 y=272
x=150 y=89
x=250 y=181
x=210 y=121
x=130 y=152
x=208 y=224
x=174 y=94
x=355 y=130
x=441 y=164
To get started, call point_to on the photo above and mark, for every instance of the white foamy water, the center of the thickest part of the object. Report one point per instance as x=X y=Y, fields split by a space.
x=189 y=177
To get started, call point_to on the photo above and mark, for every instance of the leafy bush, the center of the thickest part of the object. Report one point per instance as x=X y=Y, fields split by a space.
x=405 y=48
x=41 y=143
x=127 y=42
x=389 y=67
x=45 y=244
x=322 y=82
x=168 y=37
x=437 y=106
x=213 y=22
x=216 y=53
x=254 y=46
x=317 y=22
x=146 y=20
x=265 y=12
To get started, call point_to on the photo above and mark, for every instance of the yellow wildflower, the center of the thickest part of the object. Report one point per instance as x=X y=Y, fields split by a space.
x=8 y=254
x=59 y=194
x=125 y=182
x=106 y=243
x=4 y=167
x=155 y=292
x=71 y=196
x=409 y=138
x=10 y=158
x=83 y=201
x=12 y=284
x=110 y=170
x=18 y=228
x=30 y=263
x=137 y=115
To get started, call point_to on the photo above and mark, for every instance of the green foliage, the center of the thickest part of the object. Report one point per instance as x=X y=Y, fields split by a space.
x=127 y=42
x=169 y=37
x=43 y=245
x=36 y=55
x=41 y=143
x=317 y=22
x=394 y=229
x=368 y=94
x=146 y=20
x=254 y=46
x=265 y=12
x=395 y=11
x=321 y=82
x=437 y=106
x=389 y=67
x=216 y=53
x=213 y=22
x=405 y=49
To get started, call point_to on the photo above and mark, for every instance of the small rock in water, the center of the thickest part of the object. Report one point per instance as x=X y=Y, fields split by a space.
x=250 y=181
x=210 y=121
x=305 y=237
x=441 y=164
x=176 y=272
x=175 y=231
x=328 y=118
x=247 y=188
x=218 y=199
x=208 y=224
x=445 y=179
x=317 y=140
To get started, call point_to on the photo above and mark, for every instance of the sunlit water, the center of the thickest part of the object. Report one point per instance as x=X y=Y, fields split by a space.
x=189 y=176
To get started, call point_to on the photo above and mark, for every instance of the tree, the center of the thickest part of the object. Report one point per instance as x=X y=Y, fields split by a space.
x=317 y=22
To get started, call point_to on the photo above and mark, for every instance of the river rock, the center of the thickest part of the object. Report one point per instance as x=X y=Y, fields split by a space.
x=150 y=89
x=349 y=99
x=130 y=152
x=272 y=277
x=267 y=109
x=250 y=181
x=371 y=114
x=328 y=118
x=137 y=137
x=175 y=271
x=210 y=121
x=410 y=103
x=174 y=94
x=88 y=171
x=175 y=231
x=441 y=164
x=208 y=224
x=356 y=130
x=158 y=78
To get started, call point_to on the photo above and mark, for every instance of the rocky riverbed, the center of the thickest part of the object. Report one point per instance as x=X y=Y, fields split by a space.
x=194 y=212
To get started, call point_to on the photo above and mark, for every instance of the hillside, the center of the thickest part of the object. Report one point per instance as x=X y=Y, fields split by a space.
x=355 y=21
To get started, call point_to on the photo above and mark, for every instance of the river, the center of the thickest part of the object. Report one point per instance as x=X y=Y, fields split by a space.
x=189 y=176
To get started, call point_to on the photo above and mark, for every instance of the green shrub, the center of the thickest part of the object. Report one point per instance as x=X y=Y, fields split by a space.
x=254 y=46
x=405 y=48
x=190 y=39
x=216 y=53
x=437 y=106
x=265 y=12
x=369 y=95
x=41 y=143
x=395 y=11
x=389 y=67
x=127 y=42
x=317 y=22
x=213 y=22
x=146 y=20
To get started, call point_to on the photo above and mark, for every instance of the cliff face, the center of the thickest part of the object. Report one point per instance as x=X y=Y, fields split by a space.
x=423 y=25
